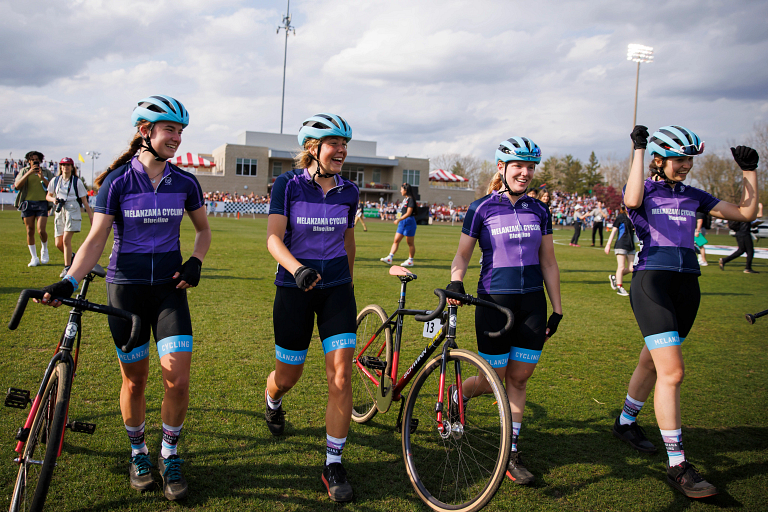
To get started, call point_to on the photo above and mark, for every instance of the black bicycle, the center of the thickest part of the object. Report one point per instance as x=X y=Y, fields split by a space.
x=456 y=451
x=41 y=438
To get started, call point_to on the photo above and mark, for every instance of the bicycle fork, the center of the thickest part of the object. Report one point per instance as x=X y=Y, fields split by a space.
x=445 y=427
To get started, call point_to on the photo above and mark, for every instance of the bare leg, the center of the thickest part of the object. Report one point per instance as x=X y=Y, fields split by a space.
x=411 y=246
x=283 y=378
x=176 y=366
x=396 y=243
x=338 y=372
x=133 y=404
x=42 y=222
x=666 y=400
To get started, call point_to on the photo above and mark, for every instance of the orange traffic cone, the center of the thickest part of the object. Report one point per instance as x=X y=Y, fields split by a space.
x=238 y=215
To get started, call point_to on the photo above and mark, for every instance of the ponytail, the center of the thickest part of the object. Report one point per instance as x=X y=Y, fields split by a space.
x=133 y=148
x=495 y=183
x=304 y=159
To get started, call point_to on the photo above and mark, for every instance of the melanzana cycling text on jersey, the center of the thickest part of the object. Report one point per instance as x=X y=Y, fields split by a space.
x=665 y=223
x=316 y=225
x=510 y=237
x=146 y=227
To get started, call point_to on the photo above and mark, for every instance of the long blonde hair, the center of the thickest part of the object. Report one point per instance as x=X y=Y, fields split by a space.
x=305 y=158
x=495 y=183
x=129 y=153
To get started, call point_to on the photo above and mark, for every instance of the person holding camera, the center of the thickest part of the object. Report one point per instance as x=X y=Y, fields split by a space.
x=68 y=194
x=32 y=184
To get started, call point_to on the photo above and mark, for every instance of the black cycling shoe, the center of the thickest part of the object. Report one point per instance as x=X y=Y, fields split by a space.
x=517 y=472
x=275 y=418
x=174 y=485
x=140 y=472
x=688 y=481
x=335 y=481
x=634 y=435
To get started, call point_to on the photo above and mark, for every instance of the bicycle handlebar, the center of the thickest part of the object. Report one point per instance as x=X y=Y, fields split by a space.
x=468 y=299
x=27 y=294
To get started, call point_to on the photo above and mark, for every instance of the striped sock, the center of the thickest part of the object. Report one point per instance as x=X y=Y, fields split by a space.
x=136 y=435
x=333 y=448
x=515 y=434
x=272 y=403
x=673 y=441
x=631 y=410
x=170 y=440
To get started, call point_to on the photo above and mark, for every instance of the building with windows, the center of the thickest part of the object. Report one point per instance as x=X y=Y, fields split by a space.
x=253 y=163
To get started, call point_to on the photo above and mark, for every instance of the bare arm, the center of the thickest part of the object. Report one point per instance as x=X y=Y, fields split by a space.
x=202 y=240
x=22 y=178
x=463 y=255
x=633 y=194
x=551 y=273
x=350 y=248
x=610 y=240
x=87 y=207
x=276 y=225
x=746 y=210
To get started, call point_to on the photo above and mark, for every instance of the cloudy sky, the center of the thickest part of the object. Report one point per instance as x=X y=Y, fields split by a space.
x=420 y=77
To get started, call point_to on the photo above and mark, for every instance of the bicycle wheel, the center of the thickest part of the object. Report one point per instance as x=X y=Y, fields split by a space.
x=34 y=476
x=375 y=354
x=462 y=467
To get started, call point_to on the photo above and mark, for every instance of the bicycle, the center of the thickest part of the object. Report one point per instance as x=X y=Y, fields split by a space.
x=455 y=461
x=47 y=420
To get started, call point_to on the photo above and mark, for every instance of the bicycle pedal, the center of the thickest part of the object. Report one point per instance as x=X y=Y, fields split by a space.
x=414 y=425
x=84 y=428
x=373 y=363
x=17 y=398
x=22 y=434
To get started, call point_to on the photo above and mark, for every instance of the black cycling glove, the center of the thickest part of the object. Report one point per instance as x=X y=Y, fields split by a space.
x=639 y=136
x=190 y=271
x=552 y=323
x=305 y=277
x=746 y=158
x=62 y=289
x=456 y=286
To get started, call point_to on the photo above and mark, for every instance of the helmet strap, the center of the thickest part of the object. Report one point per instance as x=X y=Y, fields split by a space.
x=148 y=144
x=320 y=172
x=659 y=173
x=506 y=185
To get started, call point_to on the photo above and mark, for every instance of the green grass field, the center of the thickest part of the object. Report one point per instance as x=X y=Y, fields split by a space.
x=573 y=398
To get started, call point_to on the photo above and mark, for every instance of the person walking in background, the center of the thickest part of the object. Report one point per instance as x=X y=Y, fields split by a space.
x=32 y=185
x=578 y=219
x=598 y=217
x=744 y=241
x=68 y=195
x=359 y=216
x=624 y=250
x=703 y=223
x=406 y=227
x=665 y=292
x=314 y=277
x=515 y=235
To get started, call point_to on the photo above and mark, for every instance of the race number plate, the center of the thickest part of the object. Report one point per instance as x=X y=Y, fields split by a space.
x=431 y=328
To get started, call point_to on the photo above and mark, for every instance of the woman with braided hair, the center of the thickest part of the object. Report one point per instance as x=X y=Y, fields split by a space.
x=311 y=235
x=665 y=291
x=143 y=199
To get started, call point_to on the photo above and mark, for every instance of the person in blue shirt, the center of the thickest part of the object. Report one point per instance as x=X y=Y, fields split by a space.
x=142 y=199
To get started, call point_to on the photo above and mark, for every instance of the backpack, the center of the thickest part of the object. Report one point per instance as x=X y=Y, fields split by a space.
x=74 y=184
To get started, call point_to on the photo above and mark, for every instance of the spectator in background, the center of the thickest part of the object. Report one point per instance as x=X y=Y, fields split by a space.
x=406 y=227
x=578 y=219
x=743 y=231
x=598 y=216
x=32 y=184
x=624 y=250
x=703 y=223
x=359 y=216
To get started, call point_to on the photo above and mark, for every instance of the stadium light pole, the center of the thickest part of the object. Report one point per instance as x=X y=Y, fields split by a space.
x=640 y=54
x=94 y=155
x=288 y=28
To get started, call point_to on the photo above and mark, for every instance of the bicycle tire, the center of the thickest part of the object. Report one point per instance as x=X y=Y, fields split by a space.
x=460 y=471
x=47 y=429
x=376 y=354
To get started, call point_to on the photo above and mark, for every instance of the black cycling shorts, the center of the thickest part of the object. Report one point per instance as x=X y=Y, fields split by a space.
x=665 y=305
x=293 y=317
x=162 y=308
x=525 y=340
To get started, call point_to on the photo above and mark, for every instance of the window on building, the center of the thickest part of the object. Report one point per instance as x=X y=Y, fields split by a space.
x=376 y=176
x=277 y=169
x=246 y=167
x=411 y=177
x=353 y=174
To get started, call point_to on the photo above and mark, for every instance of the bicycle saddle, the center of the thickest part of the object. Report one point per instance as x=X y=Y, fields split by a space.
x=99 y=271
x=399 y=271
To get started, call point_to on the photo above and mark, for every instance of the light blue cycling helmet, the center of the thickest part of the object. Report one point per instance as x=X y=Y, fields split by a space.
x=520 y=149
x=670 y=141
x=324 y=125
x=160 y=108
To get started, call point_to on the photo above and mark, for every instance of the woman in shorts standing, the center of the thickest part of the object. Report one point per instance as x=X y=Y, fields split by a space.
x=406 y=227
x=515 y=235
x=310 y=232
x=624 y=250
x=665 y=291
x=68 y=194
x=142 y=198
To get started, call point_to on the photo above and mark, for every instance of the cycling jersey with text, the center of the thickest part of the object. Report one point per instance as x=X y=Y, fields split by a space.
x=317 y=223
x=510 y=237
x=665 y=223
x=146 y=226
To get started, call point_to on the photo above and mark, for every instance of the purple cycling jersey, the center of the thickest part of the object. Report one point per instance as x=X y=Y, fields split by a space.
x=317 y=223
x=146 y=226
x=510 y=237
x=665 y=223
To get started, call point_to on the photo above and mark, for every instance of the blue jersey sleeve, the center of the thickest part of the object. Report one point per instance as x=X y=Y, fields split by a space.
x=108 y=198
x=194 y=193
x=473 y=221
x=277 y=200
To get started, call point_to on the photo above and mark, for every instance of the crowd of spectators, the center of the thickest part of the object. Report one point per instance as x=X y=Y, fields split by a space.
x=226 y=197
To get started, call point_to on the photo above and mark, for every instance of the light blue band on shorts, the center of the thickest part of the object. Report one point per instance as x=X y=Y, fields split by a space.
x=290 y=356
x=524 y=355
x=135 y=355
x=496 y=360
x=663 y=339
x=344 y=340
x=182 y=343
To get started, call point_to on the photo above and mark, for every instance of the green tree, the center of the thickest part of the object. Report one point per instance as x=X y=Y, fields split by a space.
x=592 y=174
x=573 y=174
